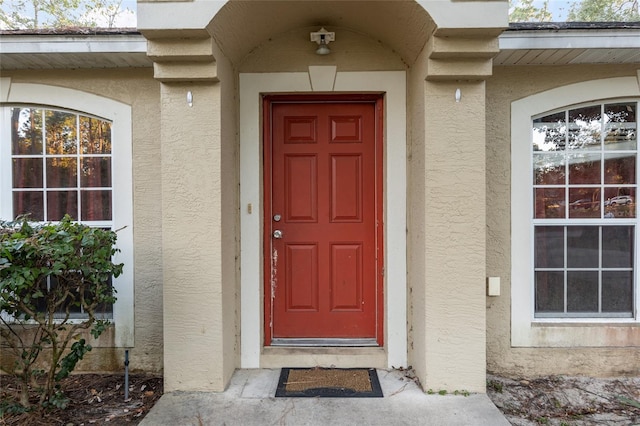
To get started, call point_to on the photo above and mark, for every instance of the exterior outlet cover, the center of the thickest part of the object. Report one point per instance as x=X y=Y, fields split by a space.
x=493 y=286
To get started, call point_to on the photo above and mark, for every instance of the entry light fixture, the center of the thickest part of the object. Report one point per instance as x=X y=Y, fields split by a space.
x=323 y=38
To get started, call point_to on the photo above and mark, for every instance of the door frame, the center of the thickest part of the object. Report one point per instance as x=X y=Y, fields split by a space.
x=375 y=99
x=326 y=78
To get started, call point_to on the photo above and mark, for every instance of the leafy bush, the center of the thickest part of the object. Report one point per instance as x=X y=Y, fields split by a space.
x=48 y=272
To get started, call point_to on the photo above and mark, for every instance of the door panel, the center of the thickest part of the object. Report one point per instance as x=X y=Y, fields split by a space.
x=323 y=188
x=302 y=280
x=346 y=188
x=346 y=277
x=301 y=188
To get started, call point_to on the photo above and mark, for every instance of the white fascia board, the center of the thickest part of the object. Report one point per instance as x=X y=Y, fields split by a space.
x=130 y=43
x=467 y=14
x=575 y=39
x=194 y=15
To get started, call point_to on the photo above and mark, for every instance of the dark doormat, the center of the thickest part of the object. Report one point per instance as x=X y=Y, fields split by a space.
x=329 y=383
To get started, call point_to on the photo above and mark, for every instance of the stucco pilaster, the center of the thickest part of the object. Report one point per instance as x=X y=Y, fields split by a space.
x=183 y=59
x=454 y=246
x=467 y=56
x=447 y=218
x=192 y=238
x=199 y=309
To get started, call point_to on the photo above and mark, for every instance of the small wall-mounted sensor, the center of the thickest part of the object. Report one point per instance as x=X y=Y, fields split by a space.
x=493 y=286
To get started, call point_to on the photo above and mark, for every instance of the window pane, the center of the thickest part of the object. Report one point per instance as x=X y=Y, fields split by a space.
x=549 y=291
x=96 y=205
x=619 y=202
x=582 y=291
x=584 y=169
x=621 y=128
x=60 y=203
x=549 y=169
x=106 y=308
x=583 y=244
x=549 y=241
x=60 y=132
x=584 y=202
x=62 y=172
x=617 y=291
x=617 y=246
x=26 y=131
x=585 y=127
x=96 y=172
x=95 y=136
x=549 y=203
x=72 y=301
x=549 y=132
x=27 y=173
x=620 y=169
x=30 y=203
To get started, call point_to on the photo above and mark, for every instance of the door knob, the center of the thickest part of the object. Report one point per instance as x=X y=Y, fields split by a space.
x=277 y=234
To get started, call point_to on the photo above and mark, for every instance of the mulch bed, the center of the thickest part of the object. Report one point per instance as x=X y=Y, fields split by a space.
x=94 y=399
x=567 y=400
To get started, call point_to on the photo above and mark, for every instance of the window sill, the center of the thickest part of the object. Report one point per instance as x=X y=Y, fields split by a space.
x=577 y=334
x=590 y=322
x=106 y=340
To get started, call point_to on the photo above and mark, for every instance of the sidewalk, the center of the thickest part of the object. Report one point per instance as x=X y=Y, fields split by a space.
x=249 y=401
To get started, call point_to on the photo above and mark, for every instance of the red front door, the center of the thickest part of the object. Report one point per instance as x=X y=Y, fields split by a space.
x=323 y=248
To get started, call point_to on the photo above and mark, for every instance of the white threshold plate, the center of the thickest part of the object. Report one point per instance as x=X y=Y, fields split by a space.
x=324 y=342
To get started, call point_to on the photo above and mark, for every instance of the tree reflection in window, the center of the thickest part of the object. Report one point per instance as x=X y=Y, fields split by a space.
x=584 y=163
x=61 y=165
x=590 y=152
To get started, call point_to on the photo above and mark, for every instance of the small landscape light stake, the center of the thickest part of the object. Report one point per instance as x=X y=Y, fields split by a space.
x=126 y=375
x=190 y=98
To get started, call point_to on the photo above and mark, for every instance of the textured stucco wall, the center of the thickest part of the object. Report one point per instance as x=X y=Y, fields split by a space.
x=509 y=84
x=192 y=237
x=293 y=52
x=416 y=225
x=446 y=234
x=230 y=216
x=200 y=212
x=137 y=88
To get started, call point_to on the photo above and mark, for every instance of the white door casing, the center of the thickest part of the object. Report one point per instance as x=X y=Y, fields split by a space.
x=393 y=85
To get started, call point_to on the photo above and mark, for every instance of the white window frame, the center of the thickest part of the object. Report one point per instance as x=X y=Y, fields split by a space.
x=526 y=330
x=122 y=197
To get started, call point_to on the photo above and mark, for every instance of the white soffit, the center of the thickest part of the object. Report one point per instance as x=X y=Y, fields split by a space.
x=50 y=51
x=562 y=47
x=129 y=50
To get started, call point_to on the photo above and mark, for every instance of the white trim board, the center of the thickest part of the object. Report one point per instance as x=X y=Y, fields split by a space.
x=527 y=331
x=393 y=84
x=120 y=116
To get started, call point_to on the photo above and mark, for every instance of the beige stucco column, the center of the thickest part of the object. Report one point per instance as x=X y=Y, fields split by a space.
x=447 y=212
x=199 y=303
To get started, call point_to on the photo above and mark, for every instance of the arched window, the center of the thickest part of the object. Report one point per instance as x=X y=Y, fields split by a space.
x=584 y=162
x=574 y=215
x=64 y=151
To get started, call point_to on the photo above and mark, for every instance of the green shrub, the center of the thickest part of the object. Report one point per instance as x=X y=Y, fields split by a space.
x=47 y=273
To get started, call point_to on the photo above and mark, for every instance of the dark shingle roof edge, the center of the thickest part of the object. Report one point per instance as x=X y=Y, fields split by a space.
x=71 y=31
x=513 y=26
x=546 y=26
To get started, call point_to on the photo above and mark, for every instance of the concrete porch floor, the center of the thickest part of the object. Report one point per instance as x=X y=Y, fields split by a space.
x=249 y=400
